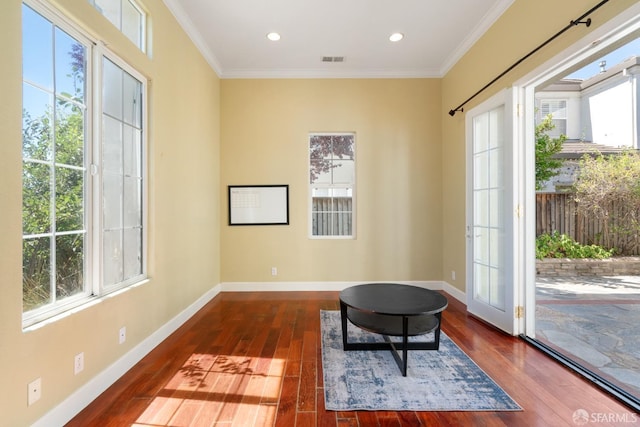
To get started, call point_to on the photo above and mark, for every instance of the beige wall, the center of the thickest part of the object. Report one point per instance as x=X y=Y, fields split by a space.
x=524 y=26
x=410 y=183
x=184 y=214
x=265 y=128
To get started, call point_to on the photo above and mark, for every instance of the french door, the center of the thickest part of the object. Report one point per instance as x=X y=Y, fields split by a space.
x=492 y=214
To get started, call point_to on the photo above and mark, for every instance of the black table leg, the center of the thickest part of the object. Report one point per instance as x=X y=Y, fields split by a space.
x=436 y=333
x=405 y=339
x=401 y=361
x=405 y=345
x=343 y=317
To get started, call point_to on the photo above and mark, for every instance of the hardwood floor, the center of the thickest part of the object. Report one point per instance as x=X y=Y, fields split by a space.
x=253 y=359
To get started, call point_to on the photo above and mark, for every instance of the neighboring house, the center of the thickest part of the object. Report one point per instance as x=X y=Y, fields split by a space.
x=598 y=115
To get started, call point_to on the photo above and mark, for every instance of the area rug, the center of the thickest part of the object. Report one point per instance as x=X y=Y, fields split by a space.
x=442 y=380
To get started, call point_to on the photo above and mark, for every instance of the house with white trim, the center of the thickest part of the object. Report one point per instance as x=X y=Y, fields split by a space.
x=598 y=115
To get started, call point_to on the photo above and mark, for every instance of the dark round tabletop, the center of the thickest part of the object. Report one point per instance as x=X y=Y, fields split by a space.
x=393 y=299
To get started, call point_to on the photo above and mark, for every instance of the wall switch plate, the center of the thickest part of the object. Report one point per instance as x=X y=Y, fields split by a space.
x=78 y=363
x=122 y=335
x=34 y=391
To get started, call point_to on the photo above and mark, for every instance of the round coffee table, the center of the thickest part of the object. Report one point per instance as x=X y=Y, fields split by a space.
x=392 y=309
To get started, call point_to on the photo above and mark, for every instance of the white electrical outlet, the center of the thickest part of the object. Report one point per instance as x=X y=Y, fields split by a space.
x=78 y=363
x=34 y=391
x=453 y=275
x=122 y=335
x=274 y=271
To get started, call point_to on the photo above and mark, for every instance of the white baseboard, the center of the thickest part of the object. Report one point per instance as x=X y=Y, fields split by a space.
x=332 y=286
x=309 y=286
x=455 y=292
x=83 y=396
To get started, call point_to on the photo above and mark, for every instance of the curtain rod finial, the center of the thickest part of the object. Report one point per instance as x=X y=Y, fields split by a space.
x=587 y=22
x=453 y=112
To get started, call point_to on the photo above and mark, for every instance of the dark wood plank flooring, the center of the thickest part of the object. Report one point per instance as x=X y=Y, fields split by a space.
x=254 y=359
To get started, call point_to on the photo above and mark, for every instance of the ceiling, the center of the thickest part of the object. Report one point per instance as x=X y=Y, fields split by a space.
x=231 y=34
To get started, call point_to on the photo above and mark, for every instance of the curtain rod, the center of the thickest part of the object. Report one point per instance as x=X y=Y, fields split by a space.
x=575 y=22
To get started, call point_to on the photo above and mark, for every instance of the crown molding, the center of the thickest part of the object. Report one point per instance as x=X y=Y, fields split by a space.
x=327 y=74
x=483 y=25
x=189 y=28
x=187 y=25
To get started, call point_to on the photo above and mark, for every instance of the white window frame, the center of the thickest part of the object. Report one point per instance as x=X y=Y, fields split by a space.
x=92 y=203
x=555 y=115
x=611 y=34
x=142 y=43
x=352 y=186
x=98 y=208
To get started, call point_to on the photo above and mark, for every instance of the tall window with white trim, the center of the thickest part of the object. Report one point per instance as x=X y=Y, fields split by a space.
x=83 y=210
x=54 y=188
x=332 y=181
x=122 y=177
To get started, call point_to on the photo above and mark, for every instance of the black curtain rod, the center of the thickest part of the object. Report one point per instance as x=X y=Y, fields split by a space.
x=575 y=22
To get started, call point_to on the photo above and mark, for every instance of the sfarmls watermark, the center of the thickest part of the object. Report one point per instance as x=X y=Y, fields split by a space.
x=582 y=417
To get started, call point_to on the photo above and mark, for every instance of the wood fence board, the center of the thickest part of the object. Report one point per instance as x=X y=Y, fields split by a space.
x=559 y=212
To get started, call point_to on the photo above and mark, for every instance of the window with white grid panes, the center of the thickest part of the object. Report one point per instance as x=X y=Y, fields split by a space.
x=83 y=168
x=332 y=185
x=127 y=16
x=557 y=108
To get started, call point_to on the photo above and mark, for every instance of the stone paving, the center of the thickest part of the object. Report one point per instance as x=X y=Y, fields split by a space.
x=595 y=320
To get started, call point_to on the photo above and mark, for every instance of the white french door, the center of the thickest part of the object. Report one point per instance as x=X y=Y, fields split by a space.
x=491 y=213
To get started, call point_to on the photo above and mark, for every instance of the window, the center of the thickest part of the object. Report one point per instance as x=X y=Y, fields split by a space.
x=332 y=179
x=558 y=110
x=127 y=16
x=122 y=180
x=82 y=193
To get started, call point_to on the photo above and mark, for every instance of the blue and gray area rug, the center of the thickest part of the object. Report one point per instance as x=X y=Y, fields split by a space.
x=443 y=380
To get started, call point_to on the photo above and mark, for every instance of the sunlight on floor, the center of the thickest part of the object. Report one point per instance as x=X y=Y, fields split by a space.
x=218 y=388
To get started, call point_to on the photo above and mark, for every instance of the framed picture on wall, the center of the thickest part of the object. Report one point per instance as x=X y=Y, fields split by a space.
x=258 y=204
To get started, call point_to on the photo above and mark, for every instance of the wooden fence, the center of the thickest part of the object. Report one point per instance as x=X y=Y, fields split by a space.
x=558 y=212
x=332 y=216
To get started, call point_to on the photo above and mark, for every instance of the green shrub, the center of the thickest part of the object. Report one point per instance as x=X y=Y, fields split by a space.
x=558 y=245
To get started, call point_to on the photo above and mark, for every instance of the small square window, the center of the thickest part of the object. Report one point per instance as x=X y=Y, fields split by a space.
x=557 y=108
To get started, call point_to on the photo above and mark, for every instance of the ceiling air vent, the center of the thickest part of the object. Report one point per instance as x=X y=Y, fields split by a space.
x=333 y=59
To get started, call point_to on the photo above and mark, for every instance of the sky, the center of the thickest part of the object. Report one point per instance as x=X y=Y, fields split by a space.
x=46 y=70
x=613 y=58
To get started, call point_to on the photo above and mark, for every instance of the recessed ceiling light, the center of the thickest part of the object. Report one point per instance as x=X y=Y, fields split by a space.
x=396 y=37
x=274 y=37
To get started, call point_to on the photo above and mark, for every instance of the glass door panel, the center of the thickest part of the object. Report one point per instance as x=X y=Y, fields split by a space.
x=490 y=256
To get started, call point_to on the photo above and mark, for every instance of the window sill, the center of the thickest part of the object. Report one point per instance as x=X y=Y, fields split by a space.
x=79 y=306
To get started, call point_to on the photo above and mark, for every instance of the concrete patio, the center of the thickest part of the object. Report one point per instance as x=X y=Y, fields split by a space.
x=595 y=321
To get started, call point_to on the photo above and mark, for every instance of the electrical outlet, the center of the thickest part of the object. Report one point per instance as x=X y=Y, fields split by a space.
x=122 y=335
x=34 y=391
x=274 y=271
x=78 y=363
x=453 y=275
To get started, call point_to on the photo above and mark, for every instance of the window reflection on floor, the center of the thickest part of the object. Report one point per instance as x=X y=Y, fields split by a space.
x=215 y=389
